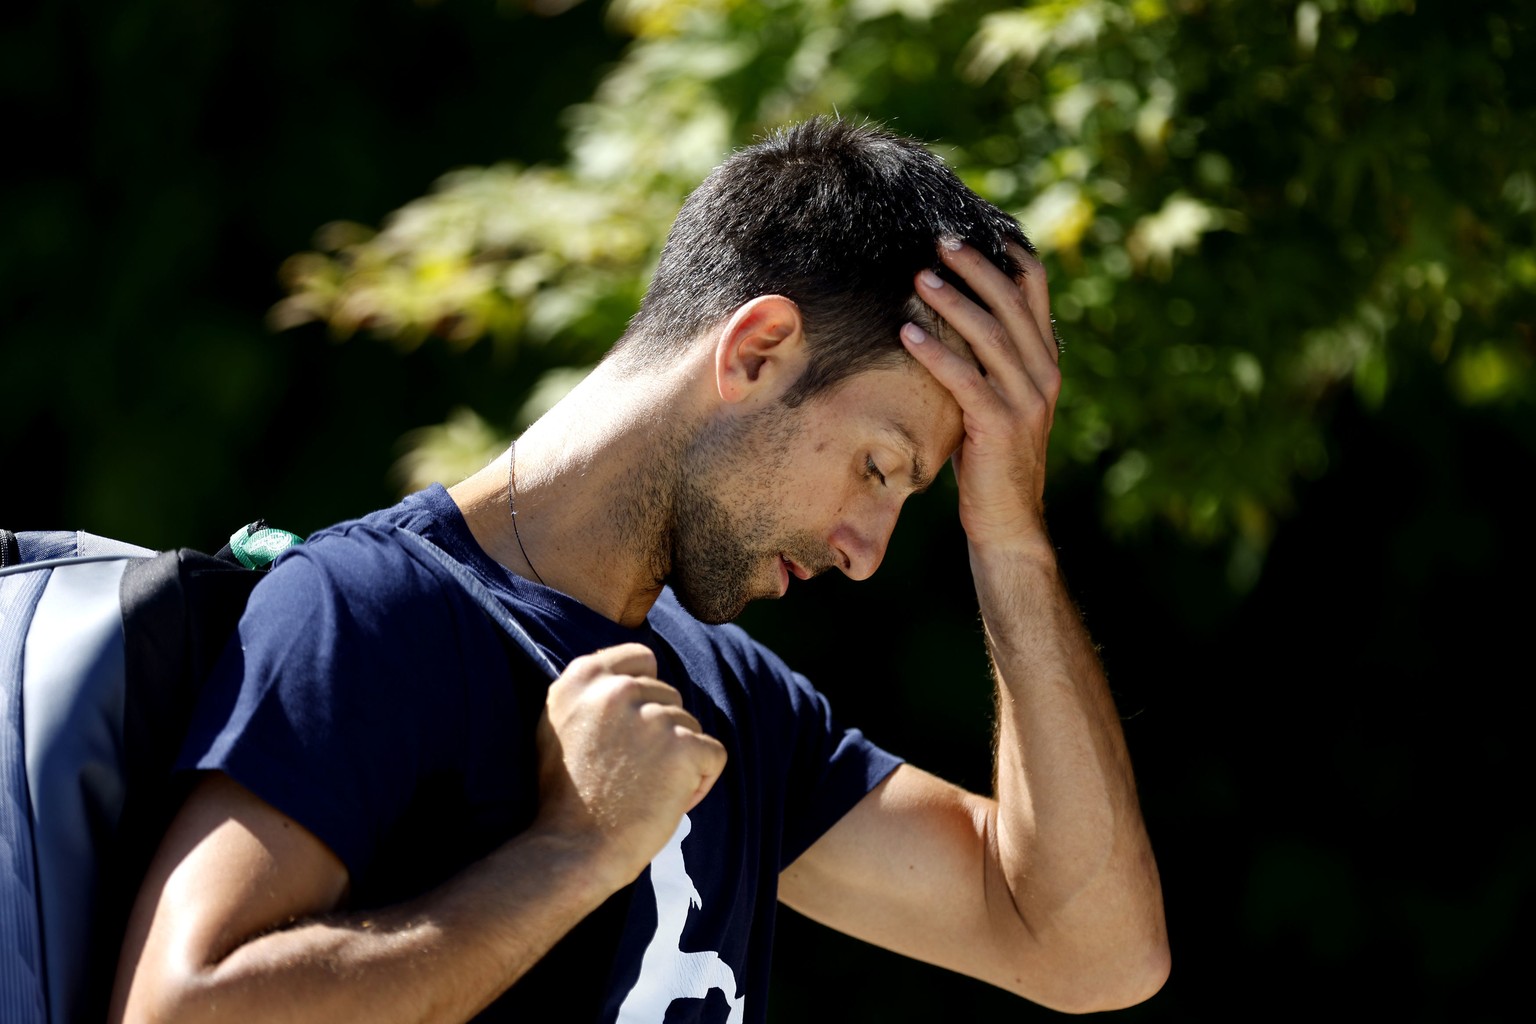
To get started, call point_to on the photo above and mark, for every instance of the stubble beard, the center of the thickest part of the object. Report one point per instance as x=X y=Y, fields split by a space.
x=712 y=570
x=726 y=535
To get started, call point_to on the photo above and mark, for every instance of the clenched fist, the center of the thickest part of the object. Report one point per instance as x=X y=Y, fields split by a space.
x=620 y=760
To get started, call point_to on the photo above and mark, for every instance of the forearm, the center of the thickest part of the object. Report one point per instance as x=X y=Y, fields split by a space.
x=441 y=957
x=1072 y=847
x=233 y=919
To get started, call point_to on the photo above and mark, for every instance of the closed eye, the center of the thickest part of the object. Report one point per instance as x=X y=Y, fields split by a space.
x=870 y=469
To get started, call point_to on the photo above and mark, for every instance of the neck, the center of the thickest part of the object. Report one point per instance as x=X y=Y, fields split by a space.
x=595 y=479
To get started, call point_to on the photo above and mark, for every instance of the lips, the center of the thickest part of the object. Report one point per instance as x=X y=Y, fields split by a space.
x=789 y=566
x=796 y=569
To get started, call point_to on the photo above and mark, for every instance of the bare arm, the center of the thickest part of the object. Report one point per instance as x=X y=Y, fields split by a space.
x=1050 y=888
x=235 y=930
x=235 y=918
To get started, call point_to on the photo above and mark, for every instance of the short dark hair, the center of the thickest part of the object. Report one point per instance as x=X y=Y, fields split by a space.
x=834 y=215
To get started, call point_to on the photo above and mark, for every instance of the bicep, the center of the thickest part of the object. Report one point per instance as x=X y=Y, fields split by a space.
x=913 y=868
x=231 y=867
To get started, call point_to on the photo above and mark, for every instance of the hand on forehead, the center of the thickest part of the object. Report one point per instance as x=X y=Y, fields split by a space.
x=924 y=315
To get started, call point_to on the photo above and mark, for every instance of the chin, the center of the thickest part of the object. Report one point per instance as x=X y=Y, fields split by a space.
x=717 y=607
x=713 y=615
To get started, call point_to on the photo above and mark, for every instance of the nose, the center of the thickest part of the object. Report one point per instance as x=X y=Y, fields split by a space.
x=861 y=547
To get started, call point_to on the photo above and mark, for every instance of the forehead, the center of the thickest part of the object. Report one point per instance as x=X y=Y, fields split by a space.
x=897 y=403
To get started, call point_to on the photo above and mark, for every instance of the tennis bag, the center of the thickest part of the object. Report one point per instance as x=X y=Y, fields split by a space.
x=103 y=648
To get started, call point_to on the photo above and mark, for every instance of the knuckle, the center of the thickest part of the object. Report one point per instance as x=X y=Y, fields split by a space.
x=1017 y=305
x=1036 y=404
x=642 y=691
x=970 y=385
x=628 y=688
x=637 y=657
x=682 y=725
x=1033 y=269
x=1050 y=380
x=711 y=752
x=995 y=336
x=555 y=696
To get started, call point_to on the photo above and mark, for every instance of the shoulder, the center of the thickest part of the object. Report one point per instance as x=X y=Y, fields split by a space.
x=357 y=572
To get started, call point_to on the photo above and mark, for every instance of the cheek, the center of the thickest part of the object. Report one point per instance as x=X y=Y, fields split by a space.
x=820 y=457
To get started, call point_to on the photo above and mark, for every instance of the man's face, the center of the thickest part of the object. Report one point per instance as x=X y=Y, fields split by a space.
x=791 y=492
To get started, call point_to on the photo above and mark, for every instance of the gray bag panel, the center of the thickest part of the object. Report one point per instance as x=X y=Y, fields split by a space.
x=72 y=701
x=22 y=991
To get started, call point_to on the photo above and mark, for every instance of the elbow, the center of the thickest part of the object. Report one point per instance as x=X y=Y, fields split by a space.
x=1133 y=983
x=1117 y=982
x=169 y=995
x=1105 y=953
x=1155 y=974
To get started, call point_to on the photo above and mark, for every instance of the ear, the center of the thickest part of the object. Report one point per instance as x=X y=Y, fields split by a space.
x=760 y=351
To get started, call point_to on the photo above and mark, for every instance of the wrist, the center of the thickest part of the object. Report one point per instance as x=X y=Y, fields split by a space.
x=1005 y=530
x=583 y=863
x=1026 y=552
x=1017 y=585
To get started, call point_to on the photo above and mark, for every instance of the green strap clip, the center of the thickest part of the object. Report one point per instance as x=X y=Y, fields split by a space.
x=257 y=545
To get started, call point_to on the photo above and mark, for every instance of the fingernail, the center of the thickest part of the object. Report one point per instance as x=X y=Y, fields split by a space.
x=930 y=279
x=951 y=242
x=913 y=333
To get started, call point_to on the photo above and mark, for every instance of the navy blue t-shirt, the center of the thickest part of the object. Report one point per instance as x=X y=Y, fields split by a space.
x=373 y=701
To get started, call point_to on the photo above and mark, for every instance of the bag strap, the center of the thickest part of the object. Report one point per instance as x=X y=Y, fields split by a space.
x=482 y=595
x=596 y=937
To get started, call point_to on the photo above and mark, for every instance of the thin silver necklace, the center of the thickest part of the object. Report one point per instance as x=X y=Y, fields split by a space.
x=512 y=508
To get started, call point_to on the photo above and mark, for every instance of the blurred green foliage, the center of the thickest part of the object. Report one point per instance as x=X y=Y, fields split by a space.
x=1304 y=283
x=1243 y=207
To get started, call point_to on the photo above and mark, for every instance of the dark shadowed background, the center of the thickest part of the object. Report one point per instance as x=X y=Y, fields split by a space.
x=1291 y=248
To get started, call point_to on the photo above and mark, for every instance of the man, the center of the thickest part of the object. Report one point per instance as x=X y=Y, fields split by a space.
x=397 y=822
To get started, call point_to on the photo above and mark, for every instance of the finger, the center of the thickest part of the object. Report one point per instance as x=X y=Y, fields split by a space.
x=970 y=389
x=711 y=758
x=1016 y=301
x=1012 y=306
x=610 y=688
x=1037 y=293
x=1015 y=361
x=672 y=715
x=1014 y=358
x=641 y=690
x=632 y=659
x=1012 y=300
x=984 y=332
x=1006 y=341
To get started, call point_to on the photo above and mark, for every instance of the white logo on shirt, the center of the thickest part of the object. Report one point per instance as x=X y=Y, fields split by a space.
x=666 y=972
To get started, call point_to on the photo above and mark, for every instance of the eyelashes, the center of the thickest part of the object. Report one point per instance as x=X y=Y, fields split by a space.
x=872 y=470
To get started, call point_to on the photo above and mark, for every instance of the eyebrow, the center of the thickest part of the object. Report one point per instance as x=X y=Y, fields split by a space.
x=921 y=481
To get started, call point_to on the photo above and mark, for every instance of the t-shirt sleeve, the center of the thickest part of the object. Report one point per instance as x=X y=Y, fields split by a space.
x=316 y=705
x=831 y=767
x=816 y=765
